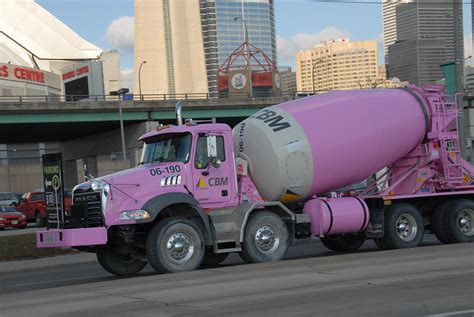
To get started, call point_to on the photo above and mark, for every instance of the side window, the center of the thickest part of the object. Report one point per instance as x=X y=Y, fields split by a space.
x=37 y=197
x=202 y=159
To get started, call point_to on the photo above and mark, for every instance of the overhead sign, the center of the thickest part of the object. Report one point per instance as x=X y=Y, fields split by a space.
x=53 y=189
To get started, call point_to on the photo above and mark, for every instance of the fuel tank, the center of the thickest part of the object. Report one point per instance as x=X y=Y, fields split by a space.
x=320 y=143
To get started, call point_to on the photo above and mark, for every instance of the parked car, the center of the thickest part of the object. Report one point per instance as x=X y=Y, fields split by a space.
x=8 y=198
x=11 y=218
x=33 y=205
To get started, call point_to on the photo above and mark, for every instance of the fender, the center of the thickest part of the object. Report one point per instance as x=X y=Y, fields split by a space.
x=156 y=204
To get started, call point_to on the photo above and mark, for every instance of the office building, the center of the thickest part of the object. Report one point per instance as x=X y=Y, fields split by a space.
x=185 y=41
x=287 y=79
x=389 y=23
x=425 y=40
x=337 y=64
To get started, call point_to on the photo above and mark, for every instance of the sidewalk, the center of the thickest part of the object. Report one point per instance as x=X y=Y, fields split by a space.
x=46 y=263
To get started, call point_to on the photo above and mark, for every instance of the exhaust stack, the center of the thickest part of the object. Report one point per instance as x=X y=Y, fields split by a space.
x=179 y=116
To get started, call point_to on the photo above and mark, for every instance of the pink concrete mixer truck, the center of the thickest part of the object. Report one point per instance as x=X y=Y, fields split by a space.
x=203 y=191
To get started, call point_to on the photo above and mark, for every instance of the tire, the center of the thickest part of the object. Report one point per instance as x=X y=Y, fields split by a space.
x=349 y=242
x=40 y=221
x=121 y=265
x=458 y=221
x=175 y=245
x=214 y=259
x=404 y=228
x=437 y=222
x=266 y=238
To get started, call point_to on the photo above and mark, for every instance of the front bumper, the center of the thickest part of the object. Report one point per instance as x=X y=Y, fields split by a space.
x=71 y=237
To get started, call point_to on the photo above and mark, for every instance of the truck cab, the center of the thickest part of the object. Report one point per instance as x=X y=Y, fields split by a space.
x=181 y=205
x=194 y=159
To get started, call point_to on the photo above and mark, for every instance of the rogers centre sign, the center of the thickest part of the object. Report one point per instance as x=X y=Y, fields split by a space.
x=21 y=73
x=76 y=72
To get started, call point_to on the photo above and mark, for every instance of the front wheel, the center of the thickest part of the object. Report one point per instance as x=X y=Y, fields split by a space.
x=349 y=242
x=266 y=238
x=403 y=228
x=175 y=245
x=119 y=264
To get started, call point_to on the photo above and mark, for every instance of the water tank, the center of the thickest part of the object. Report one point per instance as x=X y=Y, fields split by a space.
x=320 y=143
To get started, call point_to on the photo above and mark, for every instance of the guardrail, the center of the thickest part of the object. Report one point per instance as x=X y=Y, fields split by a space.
x=150 y=97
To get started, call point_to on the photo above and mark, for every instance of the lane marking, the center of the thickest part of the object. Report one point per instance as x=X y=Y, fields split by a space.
x=454 y=313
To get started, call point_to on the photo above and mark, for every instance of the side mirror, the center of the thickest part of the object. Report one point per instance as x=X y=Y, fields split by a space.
x=216 y=163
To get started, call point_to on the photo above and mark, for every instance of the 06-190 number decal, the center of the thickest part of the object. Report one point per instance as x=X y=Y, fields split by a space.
x=162 y=170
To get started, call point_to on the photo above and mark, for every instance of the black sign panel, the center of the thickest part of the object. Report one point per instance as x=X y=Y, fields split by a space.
x=53 y=189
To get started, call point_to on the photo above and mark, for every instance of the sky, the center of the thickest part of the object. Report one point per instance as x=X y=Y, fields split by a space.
x=300 y=24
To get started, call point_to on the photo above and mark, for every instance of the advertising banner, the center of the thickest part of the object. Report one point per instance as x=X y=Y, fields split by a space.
x=53 y=189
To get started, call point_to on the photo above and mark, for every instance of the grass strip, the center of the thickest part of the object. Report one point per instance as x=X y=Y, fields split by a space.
x=23 y=247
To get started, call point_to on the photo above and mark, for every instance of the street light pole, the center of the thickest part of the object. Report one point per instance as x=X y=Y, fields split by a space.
x=120 y=93
x=140 y=79
x=312 y=73
x=459 y=63
x=249 y=54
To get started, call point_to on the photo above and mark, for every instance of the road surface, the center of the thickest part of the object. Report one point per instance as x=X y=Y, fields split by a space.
x=430 y=280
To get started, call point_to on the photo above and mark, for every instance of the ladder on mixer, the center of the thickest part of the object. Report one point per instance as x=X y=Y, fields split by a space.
x=446 y=128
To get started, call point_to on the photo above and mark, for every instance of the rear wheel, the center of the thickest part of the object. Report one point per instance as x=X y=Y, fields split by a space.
x=213 y=259
x=266 y=238
x=458 y=220
x=119 y=264
x=175 y=245
x=403 y=227
x=437 y=222
x=349 y=242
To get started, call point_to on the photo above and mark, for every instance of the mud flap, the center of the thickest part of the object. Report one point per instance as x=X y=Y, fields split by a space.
x=375 y=228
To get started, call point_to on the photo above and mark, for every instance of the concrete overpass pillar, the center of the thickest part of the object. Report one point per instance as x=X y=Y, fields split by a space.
x=70 y=174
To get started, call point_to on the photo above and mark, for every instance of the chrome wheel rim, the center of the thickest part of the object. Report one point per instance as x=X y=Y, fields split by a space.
x=180 y=247
x=464 y=222
x=266 y=239
x=406 y=227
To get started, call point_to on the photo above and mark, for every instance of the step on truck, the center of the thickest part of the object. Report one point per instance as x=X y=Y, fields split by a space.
x=202 y=191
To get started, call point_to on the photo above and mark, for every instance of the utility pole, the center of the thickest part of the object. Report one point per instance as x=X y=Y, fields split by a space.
x=459 y=62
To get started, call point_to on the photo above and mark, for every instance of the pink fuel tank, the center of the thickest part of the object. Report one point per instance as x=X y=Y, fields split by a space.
x=318 y=144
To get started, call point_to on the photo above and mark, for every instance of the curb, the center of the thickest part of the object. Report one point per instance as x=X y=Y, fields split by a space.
x=45 y=264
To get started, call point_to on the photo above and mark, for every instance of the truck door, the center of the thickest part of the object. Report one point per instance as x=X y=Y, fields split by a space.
x=212 y=176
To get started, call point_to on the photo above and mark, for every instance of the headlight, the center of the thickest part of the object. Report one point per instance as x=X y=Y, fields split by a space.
x=22 y=216
x=97 y=185
x=2 y=219
x=134 y=215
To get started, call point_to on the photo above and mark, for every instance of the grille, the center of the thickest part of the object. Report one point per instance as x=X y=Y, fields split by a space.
x=86 y=210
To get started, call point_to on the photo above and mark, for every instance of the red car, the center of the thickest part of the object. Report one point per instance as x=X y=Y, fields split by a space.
x=10 y=218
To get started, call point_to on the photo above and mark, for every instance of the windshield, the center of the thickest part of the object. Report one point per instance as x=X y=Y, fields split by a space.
x=7 y=209
x=166 y=148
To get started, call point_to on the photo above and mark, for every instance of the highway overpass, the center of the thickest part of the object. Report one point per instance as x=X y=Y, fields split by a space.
x=33 y=121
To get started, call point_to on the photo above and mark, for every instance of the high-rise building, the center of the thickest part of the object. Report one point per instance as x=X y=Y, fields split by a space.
x=185 y=41
x=389 y=23
x=337 y=64
x=425 y=39
x=287 y=79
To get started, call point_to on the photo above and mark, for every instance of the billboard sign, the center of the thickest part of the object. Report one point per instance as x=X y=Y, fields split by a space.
x=83 y=80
